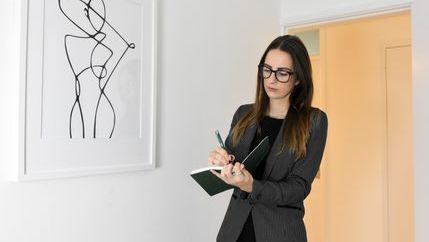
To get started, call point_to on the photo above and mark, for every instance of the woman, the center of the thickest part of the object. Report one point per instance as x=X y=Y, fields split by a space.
x=268 y=205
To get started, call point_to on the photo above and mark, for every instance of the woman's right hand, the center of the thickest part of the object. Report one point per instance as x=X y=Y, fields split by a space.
x=219 y=157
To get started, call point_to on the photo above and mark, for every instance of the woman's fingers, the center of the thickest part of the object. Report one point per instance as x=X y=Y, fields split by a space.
x=232 y=173
x=227 y=171
x=221 y=151
x=236 y=175
x=215 y=158
x=219 y=157
x=236 y=171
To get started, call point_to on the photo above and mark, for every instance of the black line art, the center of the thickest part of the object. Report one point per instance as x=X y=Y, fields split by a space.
x=89 y=18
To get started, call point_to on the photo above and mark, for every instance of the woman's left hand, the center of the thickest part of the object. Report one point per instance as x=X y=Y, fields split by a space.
x=236 y=175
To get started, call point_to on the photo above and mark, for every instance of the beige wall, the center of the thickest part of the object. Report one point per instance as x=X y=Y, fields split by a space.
x=353 y=191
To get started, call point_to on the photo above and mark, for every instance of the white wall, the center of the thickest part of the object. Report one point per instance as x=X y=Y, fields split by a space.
x=9 y=83
x=297 y=11
x=208 y=52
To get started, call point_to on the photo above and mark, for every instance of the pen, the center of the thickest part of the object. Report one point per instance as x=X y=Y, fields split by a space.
x=219 y=139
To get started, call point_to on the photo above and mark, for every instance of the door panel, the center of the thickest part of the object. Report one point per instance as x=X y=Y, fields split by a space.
x=399 y=144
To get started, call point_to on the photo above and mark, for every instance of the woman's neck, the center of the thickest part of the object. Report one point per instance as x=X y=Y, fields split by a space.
x=278 y=109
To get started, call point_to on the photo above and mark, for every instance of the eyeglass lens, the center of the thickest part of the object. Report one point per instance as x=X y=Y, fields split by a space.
x=281 y=75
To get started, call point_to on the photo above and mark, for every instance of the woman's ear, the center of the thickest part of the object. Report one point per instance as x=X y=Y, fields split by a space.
x=296 y=83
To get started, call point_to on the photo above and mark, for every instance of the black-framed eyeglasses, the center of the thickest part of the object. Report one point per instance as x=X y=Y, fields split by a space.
x=282 y=75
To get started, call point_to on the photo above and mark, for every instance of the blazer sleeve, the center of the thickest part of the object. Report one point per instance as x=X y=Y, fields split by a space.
x=297 y=184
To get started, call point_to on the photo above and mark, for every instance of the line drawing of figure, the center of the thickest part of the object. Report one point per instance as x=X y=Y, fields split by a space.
x=89 y=17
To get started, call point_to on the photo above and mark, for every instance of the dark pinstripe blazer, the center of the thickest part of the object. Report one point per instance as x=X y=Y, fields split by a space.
x=276 y=202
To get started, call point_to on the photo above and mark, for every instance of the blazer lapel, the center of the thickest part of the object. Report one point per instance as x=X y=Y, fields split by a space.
x=246 y=141
x=274 y=152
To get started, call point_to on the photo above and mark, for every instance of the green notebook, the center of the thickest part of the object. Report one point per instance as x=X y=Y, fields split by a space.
x=214 y=185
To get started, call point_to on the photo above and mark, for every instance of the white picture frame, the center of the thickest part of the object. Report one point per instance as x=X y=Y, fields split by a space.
x=88 y=93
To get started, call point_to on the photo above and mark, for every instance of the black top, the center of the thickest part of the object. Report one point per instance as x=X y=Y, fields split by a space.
x=268 y=127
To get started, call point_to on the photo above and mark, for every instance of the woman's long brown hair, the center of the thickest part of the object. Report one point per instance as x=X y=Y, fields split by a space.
x=297 y=130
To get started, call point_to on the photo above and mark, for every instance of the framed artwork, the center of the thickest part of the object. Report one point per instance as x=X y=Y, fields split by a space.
x=89 y=87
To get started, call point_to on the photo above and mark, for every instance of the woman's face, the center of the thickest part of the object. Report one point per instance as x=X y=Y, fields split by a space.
x=281 y=62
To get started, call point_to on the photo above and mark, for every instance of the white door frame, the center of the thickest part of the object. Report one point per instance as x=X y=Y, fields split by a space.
x=340 y=14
